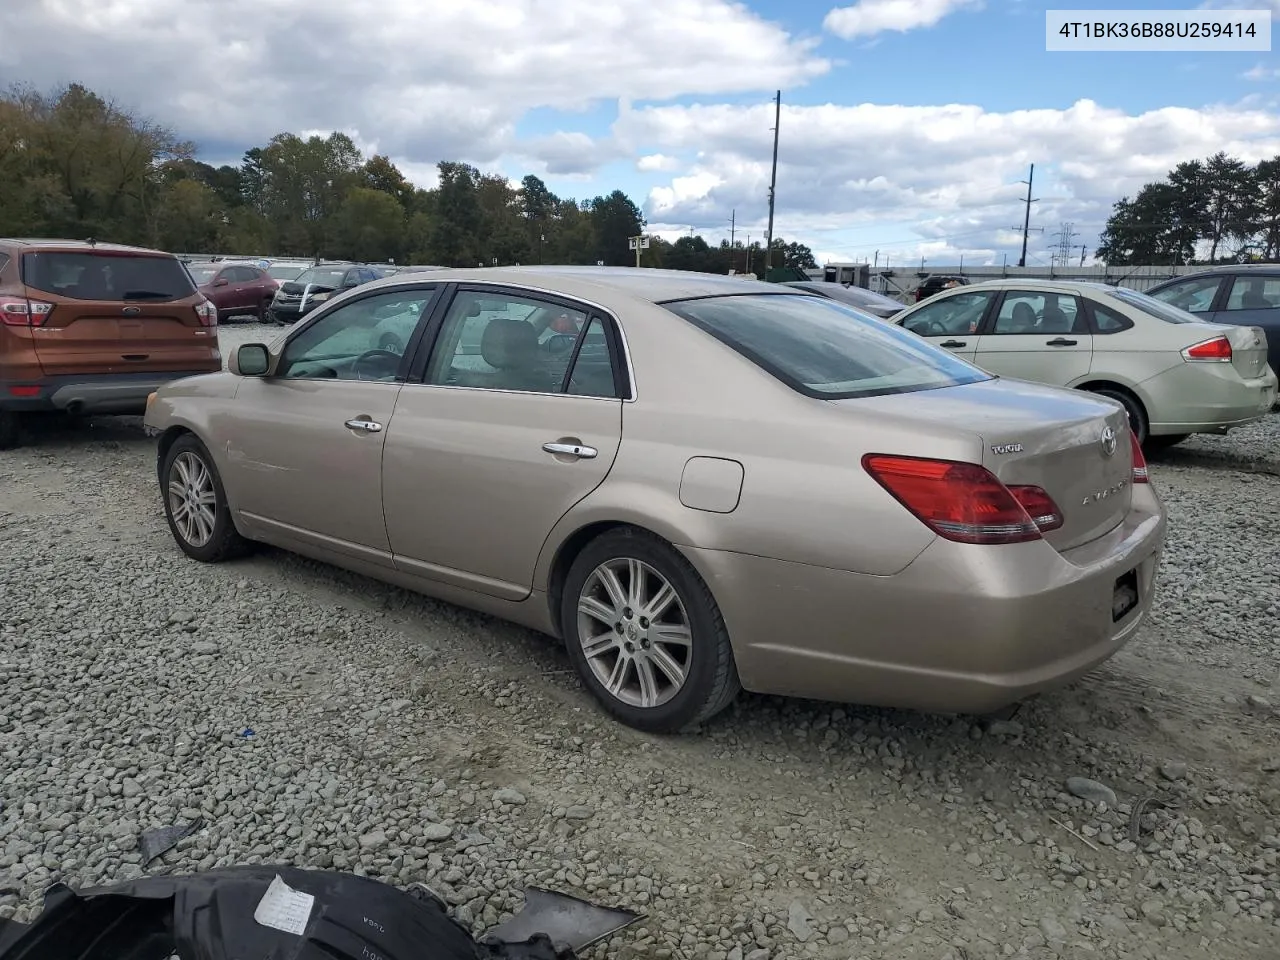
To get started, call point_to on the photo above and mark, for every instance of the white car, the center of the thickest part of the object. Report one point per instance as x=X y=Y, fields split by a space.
x=1174 y=374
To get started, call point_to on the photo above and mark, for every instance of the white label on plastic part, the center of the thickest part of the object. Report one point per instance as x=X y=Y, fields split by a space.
x=284 y=908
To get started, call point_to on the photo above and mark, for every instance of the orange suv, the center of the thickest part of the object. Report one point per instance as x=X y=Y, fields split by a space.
x=89 y=328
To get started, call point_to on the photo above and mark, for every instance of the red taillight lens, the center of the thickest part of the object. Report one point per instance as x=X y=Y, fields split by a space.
x=21 y=312
x=1039 y=506
x=1217 y=350
x=1139 y=460
x=207 y=313
x=32 y=391
x=963 y=502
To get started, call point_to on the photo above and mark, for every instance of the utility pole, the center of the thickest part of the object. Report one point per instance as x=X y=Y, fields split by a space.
x=733 y=223
x=1026 y=220
x=773 y=184
x=1083 y=251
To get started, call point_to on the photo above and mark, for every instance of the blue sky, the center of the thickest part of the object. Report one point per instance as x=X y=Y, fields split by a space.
x=906 y=125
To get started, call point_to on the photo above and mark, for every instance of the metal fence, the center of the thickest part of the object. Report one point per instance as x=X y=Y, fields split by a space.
x=901 y=283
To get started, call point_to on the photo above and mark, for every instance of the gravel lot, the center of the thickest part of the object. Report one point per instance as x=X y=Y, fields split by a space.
x=411 y=740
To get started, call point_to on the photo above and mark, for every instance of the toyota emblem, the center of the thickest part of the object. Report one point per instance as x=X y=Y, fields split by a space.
x=1108 y=440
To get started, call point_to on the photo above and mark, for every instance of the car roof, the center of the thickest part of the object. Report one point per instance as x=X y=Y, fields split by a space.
x=643 y=283
x=1265 y=269
x=68 y=246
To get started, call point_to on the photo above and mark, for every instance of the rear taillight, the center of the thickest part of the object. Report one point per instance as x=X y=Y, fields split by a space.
x=963 y=502
x=1217 y=350
x=207 y=313
x=1139 y=460
x=23 y=312
x=1039 y=506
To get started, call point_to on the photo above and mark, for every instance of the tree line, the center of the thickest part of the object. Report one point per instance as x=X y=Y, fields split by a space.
x=76 y=165
x=1219 y=210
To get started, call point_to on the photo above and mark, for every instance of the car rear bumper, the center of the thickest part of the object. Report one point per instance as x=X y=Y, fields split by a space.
x=118 y=394
x=1207 y=398
x=963 y=629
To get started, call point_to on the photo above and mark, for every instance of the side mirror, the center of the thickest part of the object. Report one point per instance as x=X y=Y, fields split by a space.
x=221 y=282
x=250 y=360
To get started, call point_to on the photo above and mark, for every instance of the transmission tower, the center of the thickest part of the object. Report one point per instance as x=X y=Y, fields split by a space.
x=1062 y=255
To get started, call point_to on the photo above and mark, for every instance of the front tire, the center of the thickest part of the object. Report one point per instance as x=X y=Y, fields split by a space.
x=645 y=633
x=195 y=504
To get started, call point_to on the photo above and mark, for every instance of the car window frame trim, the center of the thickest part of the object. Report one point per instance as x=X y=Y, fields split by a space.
x=1090 y=303
x=988 y=312
x=1225 y=290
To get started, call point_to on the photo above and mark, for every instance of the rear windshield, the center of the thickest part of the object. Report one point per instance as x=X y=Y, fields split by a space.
x=825 y=349
x=1150 y=305
x=107 y=276
x=322 y=277
x=284 y=273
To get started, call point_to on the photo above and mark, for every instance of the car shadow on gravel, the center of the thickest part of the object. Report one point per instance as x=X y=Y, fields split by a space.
x=53 y=432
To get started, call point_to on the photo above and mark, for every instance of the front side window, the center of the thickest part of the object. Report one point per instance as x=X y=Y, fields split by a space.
x=1254 y=293
x=824 y=349
x=363 y=340
x=507 y=341
x=1194 y=295
x=202 y=273
x=954 y=316
x=1037 y=313
x=107 y=276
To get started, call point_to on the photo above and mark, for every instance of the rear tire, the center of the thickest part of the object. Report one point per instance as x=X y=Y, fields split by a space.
x=667 y=643
x=264 y=311
x=1137 y=415
x=195 y=505
x=10 y=429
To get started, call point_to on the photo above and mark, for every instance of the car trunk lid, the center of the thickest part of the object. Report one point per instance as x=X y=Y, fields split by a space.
x=1035 y=436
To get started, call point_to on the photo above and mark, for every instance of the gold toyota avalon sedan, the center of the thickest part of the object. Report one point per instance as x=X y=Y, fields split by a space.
x=699 y=483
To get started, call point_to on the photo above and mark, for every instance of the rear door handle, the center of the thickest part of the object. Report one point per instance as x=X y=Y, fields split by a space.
x=953 y=343
x=368 y=426
x=1060 y=342
x=571 y=450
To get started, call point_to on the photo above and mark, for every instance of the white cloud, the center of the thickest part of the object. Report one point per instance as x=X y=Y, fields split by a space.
x=1260 y=72
x=869 y=17
x=657 y=163
x=446 y=80
x=951 y=171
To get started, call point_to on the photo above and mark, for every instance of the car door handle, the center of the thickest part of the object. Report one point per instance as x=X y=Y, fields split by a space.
x=953 y=343
x=571 y=450
x=1060 y=342
x=368 y=426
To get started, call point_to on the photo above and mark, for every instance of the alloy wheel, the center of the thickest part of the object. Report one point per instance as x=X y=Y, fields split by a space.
x=192 y=499
x=634 y=632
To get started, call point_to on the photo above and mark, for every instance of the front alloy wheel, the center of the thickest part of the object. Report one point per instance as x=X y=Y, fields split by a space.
x=196 y=505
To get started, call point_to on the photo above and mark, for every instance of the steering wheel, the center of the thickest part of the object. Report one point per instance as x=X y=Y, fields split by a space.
x=561 y=343
x=375 y=355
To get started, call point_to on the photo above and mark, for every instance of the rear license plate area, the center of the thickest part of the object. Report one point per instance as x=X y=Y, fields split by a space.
x=1124 y=596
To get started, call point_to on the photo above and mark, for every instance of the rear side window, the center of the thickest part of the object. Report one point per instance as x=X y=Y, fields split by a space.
x=824 y=349
x=105 y=276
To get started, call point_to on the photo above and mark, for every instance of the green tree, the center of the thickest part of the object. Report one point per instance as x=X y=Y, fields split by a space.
x=455 y=226
x=370 y=225
x=616 y=219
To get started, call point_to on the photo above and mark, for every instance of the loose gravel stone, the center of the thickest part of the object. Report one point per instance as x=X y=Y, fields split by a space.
x=387 y=726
